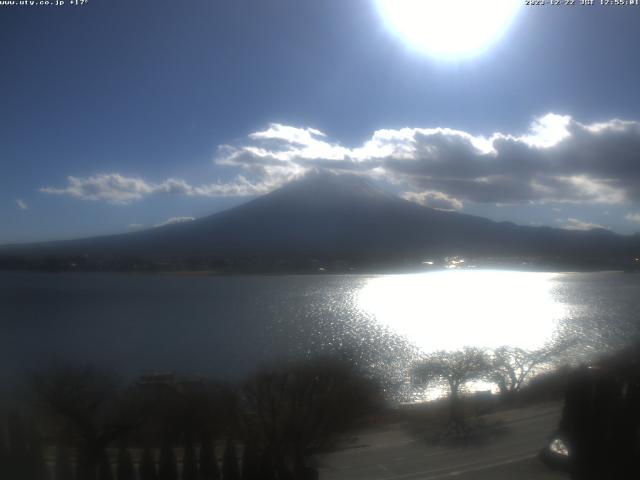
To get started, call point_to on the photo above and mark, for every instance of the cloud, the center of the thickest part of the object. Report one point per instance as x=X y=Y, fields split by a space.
x=111 y=188
x=576 y=224
x=633 y=217
x=22 y=205
x=135 y=226
x=174 y=220
x=557 y=160
x=432 y=199
x=117 y=189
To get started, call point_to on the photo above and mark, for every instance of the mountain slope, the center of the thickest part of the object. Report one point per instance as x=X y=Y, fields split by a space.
x=335 y=218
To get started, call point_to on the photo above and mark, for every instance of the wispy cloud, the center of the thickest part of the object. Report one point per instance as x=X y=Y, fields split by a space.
x=21 y=204
x=577 y=224
x=117 y=189
x=111 y=188
x=173 y=221
x=438 y=200
x=135 y=226
x=633 y=217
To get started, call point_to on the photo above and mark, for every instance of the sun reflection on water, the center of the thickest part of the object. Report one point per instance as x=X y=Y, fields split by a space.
x=451 y=309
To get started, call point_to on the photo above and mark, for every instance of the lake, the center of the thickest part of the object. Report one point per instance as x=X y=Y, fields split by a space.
x=228 y=326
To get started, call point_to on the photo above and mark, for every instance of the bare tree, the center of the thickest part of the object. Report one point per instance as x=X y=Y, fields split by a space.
x=298 y=410
x=62 y=469
x=187 y=409
x=167 y=465
x=230 y=469
x=88 y=409
x=209 y=469
x=125 y=469
x=147 y=465
x=250 y=461
x=512 y=367
x=452 y=370
x=189 y=461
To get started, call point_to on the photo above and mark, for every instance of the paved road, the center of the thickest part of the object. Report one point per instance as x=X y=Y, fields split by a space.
x=393 y=454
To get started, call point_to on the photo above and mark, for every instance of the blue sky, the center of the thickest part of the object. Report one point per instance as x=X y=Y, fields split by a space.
x=121 y=115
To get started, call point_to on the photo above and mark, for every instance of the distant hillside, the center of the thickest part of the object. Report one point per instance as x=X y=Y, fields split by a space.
x=324 y=219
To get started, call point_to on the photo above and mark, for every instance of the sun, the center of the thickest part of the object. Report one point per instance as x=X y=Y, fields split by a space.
x=449 y=29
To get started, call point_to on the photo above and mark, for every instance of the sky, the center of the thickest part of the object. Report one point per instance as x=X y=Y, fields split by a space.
x=118 y=115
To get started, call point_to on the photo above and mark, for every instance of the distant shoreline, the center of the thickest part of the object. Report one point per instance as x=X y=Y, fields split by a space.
x=218 y=273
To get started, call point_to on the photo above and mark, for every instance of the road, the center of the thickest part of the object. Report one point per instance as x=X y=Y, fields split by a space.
x=394 y=454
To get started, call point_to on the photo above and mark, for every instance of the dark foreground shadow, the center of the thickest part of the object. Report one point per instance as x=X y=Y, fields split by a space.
x=598 y=435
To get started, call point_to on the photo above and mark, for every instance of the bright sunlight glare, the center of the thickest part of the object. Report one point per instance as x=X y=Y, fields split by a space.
x=449 y=29
x=452 y=309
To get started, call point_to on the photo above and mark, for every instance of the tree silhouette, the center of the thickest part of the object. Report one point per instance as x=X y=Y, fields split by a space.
x=87 y=404
x=230 y=462
x=250 y=461
x=125 y=470
x=185 y=408
x=267 y=469
x=37 y=465
x=147 y=465
x=209 y=469
x=62 y=469
x=18 y=451
x=452 y=370
x=189 y=462
x=167 y=468
x=511 y=367
x=301 y=409
x=4 y=455
x=104 y=468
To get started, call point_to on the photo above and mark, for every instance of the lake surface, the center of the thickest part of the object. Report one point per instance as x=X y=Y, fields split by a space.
x=228 y=326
